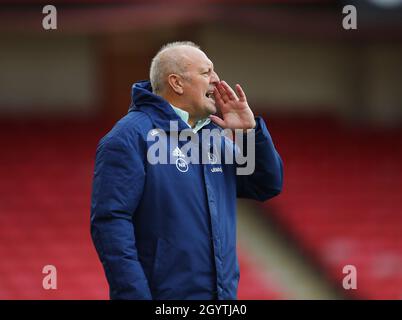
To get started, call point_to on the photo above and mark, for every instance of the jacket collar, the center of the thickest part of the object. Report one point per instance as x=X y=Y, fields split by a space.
x=184 y=116
x=158 y=109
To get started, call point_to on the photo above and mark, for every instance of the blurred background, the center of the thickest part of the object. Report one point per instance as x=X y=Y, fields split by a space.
x=331 y=98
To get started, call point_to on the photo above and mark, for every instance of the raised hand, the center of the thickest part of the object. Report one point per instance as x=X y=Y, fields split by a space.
x=236 y=112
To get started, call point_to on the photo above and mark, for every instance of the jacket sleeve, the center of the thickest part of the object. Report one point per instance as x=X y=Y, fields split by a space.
x=117 y=188
x=266 y=180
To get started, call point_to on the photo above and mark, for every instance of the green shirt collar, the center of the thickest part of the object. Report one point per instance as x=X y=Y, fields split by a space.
x=184 y=116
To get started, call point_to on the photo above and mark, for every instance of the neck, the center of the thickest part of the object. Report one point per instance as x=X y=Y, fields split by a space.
x=192 y=119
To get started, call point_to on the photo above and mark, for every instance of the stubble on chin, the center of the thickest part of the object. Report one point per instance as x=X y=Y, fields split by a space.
x=212 y=109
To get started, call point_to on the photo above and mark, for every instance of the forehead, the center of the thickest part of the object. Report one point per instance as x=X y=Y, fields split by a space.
x=195 y=58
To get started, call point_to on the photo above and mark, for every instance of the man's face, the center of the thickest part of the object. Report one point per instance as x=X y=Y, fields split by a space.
x=199 y=83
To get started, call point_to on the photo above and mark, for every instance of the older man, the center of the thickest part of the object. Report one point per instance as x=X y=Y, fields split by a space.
x=168 y=230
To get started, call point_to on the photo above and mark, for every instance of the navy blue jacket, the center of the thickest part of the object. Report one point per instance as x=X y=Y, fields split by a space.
x=165 y=233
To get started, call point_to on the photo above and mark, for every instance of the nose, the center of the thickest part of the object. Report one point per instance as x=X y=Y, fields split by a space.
x=214 y=78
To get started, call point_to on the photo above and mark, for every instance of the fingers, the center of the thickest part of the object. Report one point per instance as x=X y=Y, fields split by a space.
x=222 y=93
x=240 y=93
x=232 y=95
x=226 y=92
x=218 y=97
x=217 y=120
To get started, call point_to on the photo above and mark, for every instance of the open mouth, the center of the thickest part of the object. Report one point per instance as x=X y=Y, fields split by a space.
x=210 y=95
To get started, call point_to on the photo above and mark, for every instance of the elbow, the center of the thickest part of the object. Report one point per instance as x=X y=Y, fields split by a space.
x=276 y=186
x=271 y=193
x=276 y=191
x=269 y=190
x=279 y=184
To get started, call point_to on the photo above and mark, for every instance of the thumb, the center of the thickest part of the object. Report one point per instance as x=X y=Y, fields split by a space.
x=217 y=121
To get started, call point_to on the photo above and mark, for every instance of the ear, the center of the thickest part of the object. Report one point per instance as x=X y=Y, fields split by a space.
x=176 y=83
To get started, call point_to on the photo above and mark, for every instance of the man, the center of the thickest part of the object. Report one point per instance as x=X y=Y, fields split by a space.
x=168 y=231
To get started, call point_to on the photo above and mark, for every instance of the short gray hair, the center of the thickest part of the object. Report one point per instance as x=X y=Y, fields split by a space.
x=161 y=68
